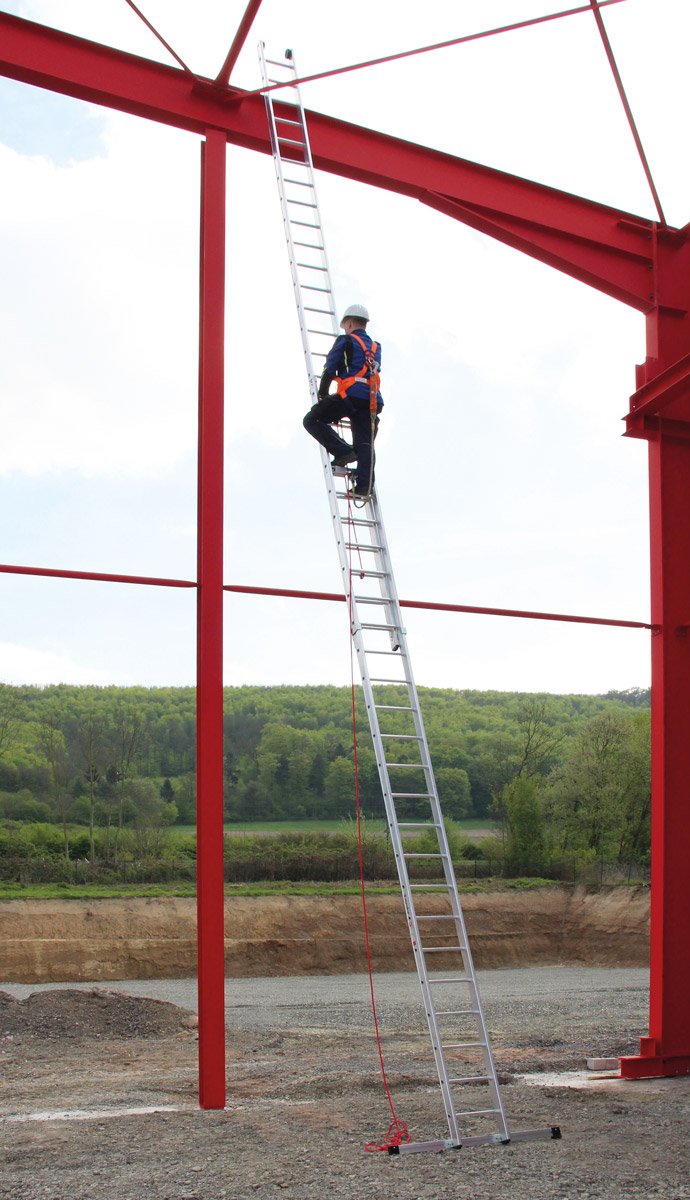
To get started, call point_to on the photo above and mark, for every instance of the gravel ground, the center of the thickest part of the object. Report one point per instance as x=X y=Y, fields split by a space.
x=100 y=1090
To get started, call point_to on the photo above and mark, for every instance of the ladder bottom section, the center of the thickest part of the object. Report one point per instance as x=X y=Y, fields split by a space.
x=548 y=1133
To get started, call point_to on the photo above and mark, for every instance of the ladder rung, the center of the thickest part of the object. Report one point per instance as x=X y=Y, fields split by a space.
x=326 y=312
x=311 y=287
x=471 y=1078
x=407 y=766
x=403 y=737
x=442 y=950
x=287 y=66
x=396 y=707
x=287 y=121
x=425 y=856
x=302 y=203
x=460 y=1046
x=298 y=182
x=478 y=1112
x=381 y=575
x=397 y=682
x=309 y=265
x=399 y=654
x=457 y=1012
x=291 y=141
x=362 y=545
x=384 y=625
x=436 y=917
x=433 y=887
x=415 y=824
x=324 y=333
x=453 y=979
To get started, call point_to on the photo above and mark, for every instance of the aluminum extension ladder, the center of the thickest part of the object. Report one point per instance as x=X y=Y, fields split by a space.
x=464 y=1061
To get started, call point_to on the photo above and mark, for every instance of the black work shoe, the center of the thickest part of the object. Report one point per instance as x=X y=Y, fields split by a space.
x=343 y=459
x=359 y=494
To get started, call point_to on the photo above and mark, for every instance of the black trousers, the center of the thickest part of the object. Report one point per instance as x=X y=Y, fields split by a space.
x=319 y=423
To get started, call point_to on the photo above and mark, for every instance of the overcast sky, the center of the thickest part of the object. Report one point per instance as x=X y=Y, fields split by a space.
x=501 y=469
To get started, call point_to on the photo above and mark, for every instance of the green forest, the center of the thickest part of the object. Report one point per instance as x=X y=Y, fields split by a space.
x=557 y=774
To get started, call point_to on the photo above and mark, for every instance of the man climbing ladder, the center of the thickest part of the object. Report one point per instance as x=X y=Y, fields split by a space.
x=355 y=361
x=451 y=1003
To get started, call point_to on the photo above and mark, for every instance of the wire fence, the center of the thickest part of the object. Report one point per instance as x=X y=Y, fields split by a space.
x=301 y=866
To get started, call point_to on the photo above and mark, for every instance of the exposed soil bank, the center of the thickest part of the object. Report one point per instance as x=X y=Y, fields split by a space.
x=155 y=938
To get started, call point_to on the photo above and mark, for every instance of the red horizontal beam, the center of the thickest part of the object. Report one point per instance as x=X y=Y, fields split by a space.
x=462 y=608
x=295 y=594
x=601 y=246
x=98 y=576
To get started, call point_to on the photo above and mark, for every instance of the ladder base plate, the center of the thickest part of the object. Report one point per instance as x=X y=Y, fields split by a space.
x=549 y=1133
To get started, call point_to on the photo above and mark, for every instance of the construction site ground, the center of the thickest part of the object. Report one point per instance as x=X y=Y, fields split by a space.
x=100 y=1086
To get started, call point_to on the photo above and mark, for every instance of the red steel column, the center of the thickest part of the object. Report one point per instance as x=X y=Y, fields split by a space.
x=662 y=383
x=667 y=1049
x=209 y=719
x=669 y=1015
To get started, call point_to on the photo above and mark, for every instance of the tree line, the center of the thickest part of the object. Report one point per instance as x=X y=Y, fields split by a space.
x=566 y=773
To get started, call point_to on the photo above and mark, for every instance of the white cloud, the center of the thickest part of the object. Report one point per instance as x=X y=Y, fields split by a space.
x=37 y=668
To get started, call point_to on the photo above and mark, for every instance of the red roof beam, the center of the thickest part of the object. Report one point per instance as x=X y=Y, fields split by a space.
x=600 y=246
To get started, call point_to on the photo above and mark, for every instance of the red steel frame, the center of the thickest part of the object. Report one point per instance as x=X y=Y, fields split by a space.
x=643 y=263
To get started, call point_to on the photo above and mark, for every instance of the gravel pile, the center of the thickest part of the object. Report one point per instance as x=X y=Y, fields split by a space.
x=75 y=1015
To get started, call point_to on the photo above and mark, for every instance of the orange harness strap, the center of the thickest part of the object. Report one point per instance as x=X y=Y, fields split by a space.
x=368 y=367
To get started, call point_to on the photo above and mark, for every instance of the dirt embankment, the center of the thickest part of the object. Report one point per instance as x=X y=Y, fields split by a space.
x=155 y=938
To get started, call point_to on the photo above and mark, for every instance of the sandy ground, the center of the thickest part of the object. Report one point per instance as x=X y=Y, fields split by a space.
x=99 y=1093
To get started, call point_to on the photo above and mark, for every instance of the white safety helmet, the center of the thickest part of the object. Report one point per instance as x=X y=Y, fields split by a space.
x=356 y=310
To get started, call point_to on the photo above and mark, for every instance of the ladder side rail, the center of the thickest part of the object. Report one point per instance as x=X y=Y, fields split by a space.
x=388 y=590
x=310 y=163
x=287 y=222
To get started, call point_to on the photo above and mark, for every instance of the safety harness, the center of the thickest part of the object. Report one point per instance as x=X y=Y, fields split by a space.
x=369 y=367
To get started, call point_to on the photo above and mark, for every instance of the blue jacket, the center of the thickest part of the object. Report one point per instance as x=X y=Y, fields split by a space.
x=346 y=358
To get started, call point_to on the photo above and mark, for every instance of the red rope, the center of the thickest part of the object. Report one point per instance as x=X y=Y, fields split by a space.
x=397 y=1131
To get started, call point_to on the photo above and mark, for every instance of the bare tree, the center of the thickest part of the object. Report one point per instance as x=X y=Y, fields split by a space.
x=130 y=735
x=9 y=717
x=537 y=745
x=51 y=742
x=91 y=736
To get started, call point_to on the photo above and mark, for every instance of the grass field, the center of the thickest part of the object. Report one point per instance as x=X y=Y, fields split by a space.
x=120 y=891
x=241 y=827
